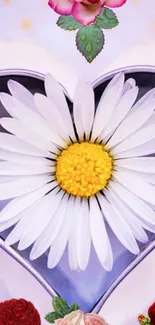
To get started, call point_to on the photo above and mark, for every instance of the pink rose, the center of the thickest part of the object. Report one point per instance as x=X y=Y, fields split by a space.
x=84 y=11
x=74 y=318
x=78 y=318
x=94 y=319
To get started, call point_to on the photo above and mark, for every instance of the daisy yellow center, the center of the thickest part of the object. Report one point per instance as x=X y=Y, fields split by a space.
x=83 y=169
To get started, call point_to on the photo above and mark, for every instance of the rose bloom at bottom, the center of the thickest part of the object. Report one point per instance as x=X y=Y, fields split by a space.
x=18 y=312
x=79 y=318
x=151 y=313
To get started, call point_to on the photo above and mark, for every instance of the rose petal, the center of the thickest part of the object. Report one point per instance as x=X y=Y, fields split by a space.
x=94 y=319
x=114 y=3
x=62 y=7
x=86 y=14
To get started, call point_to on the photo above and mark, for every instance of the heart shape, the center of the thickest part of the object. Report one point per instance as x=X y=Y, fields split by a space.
x=84 y=288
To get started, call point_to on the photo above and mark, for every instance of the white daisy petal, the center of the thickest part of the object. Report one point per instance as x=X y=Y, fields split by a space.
x=8 y=168
x=23 y=132
x=129 y=84
x=23 y=159
x=141 y=164
x=146 y=225
x=133 y=122
x=41 y=217
x=55 y=93
x=48 y=236
x=21 y=93
x=136 y=185
x=84 y=109
x=151 y=120
x=150 y=178
x=120 y=112
x=137 y=205
x=30 y=118
x=107 y=105
x=18 y=230
x=78 y=118
x=119 y=225
x=144 y=99
x=134 y=223
x=83 y=236
x=147 y=177
x=19 y=204
x=22 y=186
x=147 y=148
x=58 y=247
x=140 y=137
x=11 y=143
x=11 y=222
x=53 y=116
x=6 y=179
x=99 y=236
x=72 y=242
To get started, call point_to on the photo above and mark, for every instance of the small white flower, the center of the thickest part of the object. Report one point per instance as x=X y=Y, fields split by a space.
x=66 y=178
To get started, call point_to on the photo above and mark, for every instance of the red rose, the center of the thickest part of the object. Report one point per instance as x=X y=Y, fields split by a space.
x=18 y=312
x=151 y=313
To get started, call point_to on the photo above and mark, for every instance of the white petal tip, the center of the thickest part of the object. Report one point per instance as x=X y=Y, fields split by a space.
x=73 y=266
x=83 y=267
x=22 y=246
x=11 y=83
x=119 y=76
x=37 y=95
x=108 y=268
x=33 y=256
x=48 y=75
x=135 y=251
x=10 y=241
x=145 y=239
x=51 y=266
x=132 y=82
x=49 y=78
x=108 y=263
x=3 y=96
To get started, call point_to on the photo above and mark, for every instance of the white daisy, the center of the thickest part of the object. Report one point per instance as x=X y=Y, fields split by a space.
x=67 y=177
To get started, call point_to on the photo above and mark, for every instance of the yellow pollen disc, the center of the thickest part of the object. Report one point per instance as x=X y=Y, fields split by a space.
x=83 y=169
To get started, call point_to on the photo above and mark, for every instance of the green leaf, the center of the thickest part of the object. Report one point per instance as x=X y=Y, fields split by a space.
x=68 y=23
x=107 y=19
x=60 y=306
x=51 y=317
x=90 y=41
x=74 y=307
